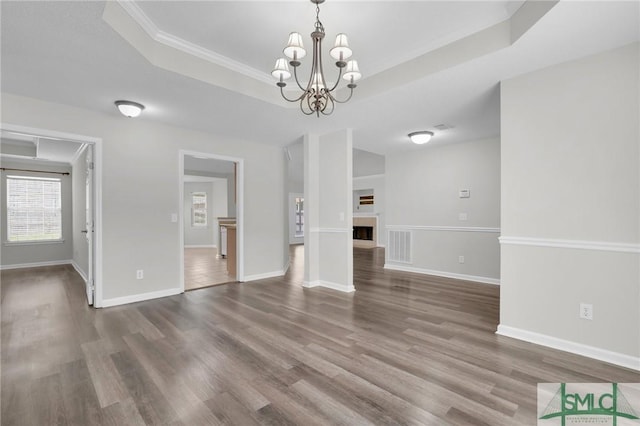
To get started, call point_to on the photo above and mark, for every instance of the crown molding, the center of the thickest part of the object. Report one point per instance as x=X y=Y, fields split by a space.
x=152 y=30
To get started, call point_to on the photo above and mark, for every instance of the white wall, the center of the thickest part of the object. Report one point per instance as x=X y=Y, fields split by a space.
x=141 y=187
x=422 y=189
x=571 y=206
x=13 y=255
x=79 y=201
x=377 y=183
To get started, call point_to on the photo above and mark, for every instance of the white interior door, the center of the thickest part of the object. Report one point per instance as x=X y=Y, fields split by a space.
x=89 y=225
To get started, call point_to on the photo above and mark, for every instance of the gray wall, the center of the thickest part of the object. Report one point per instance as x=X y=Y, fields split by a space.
x=422 y=189
x=54 y=252
x=571 y=203
x=140 y=192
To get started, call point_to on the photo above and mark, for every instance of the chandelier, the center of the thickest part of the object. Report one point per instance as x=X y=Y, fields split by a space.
x=317 y=97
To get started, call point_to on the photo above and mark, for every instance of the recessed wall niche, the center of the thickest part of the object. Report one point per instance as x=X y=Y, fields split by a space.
x=363 y=201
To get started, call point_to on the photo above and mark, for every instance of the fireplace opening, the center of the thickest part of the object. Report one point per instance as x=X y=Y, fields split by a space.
x=363 y=233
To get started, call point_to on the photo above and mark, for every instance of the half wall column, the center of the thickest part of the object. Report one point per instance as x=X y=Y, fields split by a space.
x=328 y=211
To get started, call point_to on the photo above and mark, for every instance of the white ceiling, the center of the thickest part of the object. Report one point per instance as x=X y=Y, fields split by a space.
x=88 y=55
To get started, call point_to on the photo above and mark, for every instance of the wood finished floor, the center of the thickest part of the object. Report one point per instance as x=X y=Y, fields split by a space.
x=402 y=349
x=202 y=269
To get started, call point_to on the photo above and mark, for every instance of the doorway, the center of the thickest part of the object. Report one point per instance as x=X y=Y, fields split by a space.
x=210 y=217
x=82 y=155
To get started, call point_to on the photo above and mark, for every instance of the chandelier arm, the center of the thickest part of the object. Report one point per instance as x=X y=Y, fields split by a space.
x=312 y=101
x=302 y=106
x=330 y=101
x=345 y=100
x=337 y=80
x=295 y=74
x=290 y=100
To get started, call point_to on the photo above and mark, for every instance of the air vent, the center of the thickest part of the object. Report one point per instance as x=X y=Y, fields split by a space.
x=399 y=246
x=443 y=127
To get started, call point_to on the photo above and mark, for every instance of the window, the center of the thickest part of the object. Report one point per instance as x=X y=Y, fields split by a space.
x=34 y=209
x=198 y=209
x=299 y=212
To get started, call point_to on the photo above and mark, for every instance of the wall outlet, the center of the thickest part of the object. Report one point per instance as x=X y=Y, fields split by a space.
x=460 y=259
x=139 y=274
x=462 y=216
x=586 y=311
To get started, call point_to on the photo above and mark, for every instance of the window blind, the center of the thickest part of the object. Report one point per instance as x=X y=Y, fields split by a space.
x=34 y=209
x=199 y=208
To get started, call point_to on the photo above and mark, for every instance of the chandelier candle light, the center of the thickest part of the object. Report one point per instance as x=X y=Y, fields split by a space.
x=316 y=97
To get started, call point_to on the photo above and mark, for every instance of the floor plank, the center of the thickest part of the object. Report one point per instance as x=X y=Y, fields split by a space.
x=404 y=349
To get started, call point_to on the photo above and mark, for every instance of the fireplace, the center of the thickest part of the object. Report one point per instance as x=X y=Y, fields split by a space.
x=363 y=233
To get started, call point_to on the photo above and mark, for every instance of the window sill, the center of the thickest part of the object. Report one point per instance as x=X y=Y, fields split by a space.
x=32 y=243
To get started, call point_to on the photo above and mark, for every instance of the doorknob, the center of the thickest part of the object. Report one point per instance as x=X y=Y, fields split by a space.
x=84 y=231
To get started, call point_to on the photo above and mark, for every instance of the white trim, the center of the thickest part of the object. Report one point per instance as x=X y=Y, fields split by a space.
x=140 y=297
x=97 y=188
x=465 y=277
x=265 y=275
x=79 y=270
x=35 y=264
x=201 y=246
x=159 y=36
x=329 y=230
x=572 y=244
x=327 y=284
x=445 y=228
x=572 y=347
x=369 y=177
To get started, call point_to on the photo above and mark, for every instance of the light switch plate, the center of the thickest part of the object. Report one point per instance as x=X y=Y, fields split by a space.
x=464 y=193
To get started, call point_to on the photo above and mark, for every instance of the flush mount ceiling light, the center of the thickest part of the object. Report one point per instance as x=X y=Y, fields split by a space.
x=129 y=109
x=420 y=137
x=316 y=95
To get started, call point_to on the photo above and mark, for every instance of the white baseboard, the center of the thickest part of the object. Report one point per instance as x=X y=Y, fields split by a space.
x=36 y=264
x=200 y=246
x=475 y=278
x=140 y=297
x=572 y=347
x=79 y=270
x=327 y=284
x=266 y=275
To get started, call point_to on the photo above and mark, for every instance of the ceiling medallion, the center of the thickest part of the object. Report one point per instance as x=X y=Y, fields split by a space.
x=317 y=97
